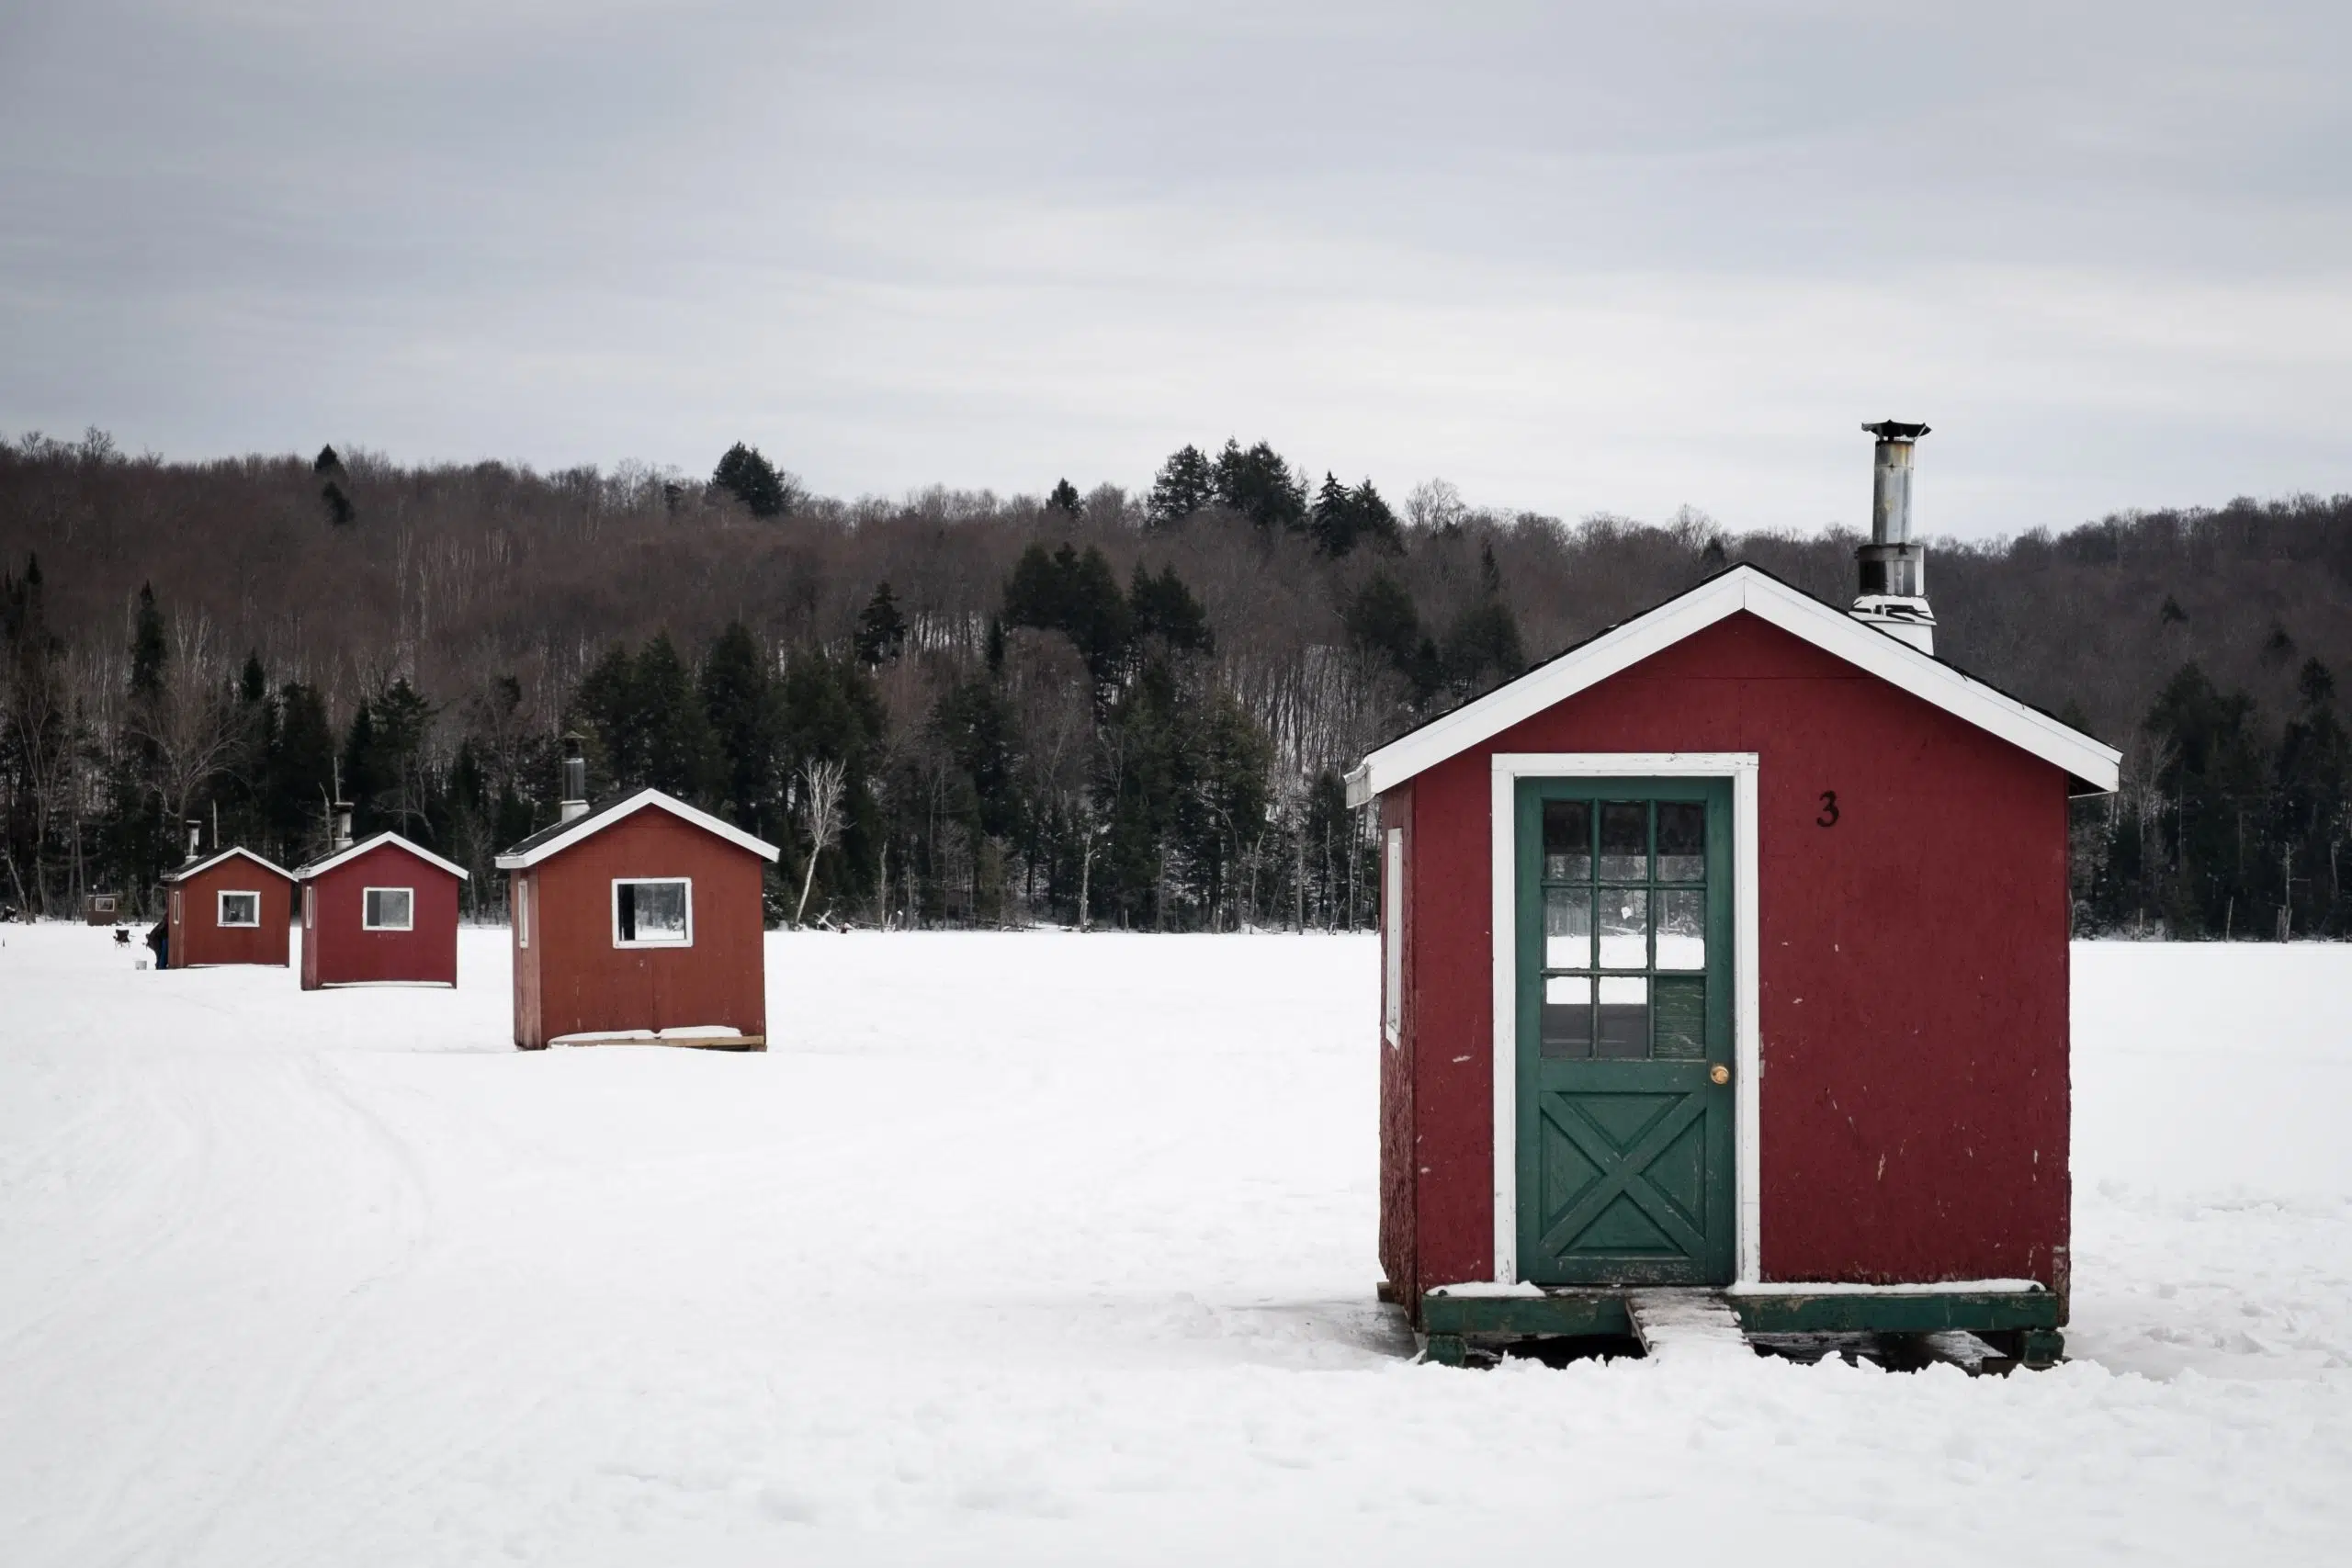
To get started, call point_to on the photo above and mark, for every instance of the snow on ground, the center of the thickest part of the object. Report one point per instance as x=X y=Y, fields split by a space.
x=1043 y=1249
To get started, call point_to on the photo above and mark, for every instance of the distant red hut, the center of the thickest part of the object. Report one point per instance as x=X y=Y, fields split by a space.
x=380 y=913
x=1727 y=950
x=236 y=907
x=639 y=920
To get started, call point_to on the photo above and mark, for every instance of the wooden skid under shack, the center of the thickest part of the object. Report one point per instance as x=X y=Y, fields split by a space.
x=2021 y=1326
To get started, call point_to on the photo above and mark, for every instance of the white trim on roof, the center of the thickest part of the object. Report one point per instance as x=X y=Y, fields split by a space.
x=1800 y=615
x=184 y=873
x=597 y=822
x=319 y=868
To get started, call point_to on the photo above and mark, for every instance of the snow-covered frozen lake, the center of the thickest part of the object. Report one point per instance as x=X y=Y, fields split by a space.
x=1043 y=1249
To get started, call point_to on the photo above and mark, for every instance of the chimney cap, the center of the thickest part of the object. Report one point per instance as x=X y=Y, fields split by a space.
x=1896 y=430
x=573 y=743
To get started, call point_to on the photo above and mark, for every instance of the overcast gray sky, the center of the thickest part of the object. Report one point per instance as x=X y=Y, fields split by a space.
x=1617 y=257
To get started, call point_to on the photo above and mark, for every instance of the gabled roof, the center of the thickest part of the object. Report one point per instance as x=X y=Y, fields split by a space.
x=563 y=835
x=183 y=873
x=319 y=867
x=2090 y=765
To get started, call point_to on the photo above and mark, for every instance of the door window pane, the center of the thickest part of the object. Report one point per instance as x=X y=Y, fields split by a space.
x=1682 y=840
x=1567 y=1023
x=1624 y=841
x=1567 y=928
x=1624 y=1021
x=1624 y=927
x=1682 y=928
x=1567 y=840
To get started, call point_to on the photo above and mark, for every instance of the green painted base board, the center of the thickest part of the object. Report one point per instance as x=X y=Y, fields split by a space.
x=1587 y=1313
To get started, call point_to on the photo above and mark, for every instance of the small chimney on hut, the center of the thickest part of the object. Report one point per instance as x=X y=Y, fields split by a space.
x=575 y=779
x=195 y=838
x=1894 y=595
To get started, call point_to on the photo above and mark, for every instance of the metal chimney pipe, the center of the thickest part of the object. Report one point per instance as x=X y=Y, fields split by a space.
x=1893 y=568
x=575 y=779
x=194 y=837
x=342 y=826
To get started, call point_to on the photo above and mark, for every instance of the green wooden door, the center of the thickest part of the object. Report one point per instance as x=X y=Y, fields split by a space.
x=1624 y=1032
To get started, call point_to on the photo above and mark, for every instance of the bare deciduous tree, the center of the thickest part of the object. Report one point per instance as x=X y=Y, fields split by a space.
x=823 y=785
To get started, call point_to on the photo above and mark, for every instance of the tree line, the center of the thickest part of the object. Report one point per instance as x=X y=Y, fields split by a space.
x=1096 y=709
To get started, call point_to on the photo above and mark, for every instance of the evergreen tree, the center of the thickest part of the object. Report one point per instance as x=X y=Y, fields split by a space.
x=741 y=703
x=1482 y=647
x=1257 y=484
x=148 y=650
x=1163 y=607
x=326 y=462
x=1380 y=619
x=1065 y=499
x=340 y=510
x=609 y=715
x=1077 y=595
x=300 y=768
x=881 y=630
x=1185 y=483
x=679 y=750
x=1331 y=521
x=751 y=480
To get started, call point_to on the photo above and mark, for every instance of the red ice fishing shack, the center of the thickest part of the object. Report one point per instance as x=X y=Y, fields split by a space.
x=640 y=921
x=234 y=908
x=379 y=913
x=1724 y=968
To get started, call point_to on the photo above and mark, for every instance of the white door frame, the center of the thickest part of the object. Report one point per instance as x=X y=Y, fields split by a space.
x=1740 y=768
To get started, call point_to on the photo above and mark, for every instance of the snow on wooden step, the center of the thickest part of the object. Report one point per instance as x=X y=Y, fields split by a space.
x=1686 y=1324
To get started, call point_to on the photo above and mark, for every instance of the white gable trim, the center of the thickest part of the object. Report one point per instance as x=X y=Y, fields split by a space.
x=595 y=823
x=184 y=873
x=319 y=868
x=1741 y=588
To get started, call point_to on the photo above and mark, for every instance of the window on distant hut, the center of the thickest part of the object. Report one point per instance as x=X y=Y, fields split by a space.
x=239 y=908
x=653 y=912
x=387 y=908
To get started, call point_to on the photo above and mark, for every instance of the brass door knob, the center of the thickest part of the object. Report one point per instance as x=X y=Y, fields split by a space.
x=1718 y=1074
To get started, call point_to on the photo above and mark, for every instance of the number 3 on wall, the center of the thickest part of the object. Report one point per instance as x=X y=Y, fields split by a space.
x=1828 y=817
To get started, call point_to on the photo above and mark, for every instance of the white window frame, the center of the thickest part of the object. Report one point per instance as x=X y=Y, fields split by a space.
x=1748 y=1050
x=220 y=908
x=620 y=882
x=309 y=906
x=1392 y=935
x=407 y=925
x=523 y=910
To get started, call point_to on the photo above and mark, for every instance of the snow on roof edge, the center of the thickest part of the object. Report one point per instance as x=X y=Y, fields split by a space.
x=1744 y=587
x=181 y=873
x=597 y=821
x=321 y=867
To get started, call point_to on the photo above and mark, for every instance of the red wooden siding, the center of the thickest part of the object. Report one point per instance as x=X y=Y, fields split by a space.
x=1914 y=970
x=198 y=938
x=572 y=981
x=337 y=950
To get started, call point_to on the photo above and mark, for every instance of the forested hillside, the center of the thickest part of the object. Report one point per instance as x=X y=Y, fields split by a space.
x=1110 y=707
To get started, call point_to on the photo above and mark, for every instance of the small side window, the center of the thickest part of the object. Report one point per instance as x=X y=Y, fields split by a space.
x=239 y=908
x=653 y=912
x=521 y=912
x=1392 y=935
x=387 y=909
x=310 y=908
